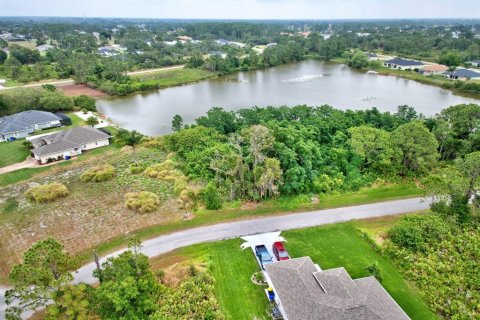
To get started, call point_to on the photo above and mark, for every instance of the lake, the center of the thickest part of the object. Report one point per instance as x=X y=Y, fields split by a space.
x=309 y=82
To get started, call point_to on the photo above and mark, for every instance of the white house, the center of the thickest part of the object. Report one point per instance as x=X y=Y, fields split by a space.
x=463 y=74
x=68 y=143
x=403 y=64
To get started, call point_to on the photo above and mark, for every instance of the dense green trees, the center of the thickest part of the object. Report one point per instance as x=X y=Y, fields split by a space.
x=264 y=152
x=43 y=276
x=19 y=100
x=128 y=288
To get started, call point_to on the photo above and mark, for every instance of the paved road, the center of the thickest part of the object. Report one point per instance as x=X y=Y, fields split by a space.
x=70 y=81
x=165 y=243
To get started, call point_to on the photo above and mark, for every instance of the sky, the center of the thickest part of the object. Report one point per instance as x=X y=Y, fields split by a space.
x=245 y=9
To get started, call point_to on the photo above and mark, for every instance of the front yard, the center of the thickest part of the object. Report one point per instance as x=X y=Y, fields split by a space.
x=330 y=246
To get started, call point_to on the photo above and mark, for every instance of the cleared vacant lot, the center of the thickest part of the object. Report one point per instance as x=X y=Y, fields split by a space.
x=330 y=246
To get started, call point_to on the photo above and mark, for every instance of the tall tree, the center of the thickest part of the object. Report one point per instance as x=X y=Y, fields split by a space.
x=415 y=148
x=129 y=290
x=177 y=123
x=42 y=277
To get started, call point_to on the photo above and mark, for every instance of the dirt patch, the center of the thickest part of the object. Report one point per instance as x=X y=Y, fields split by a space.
x=249 y=205
x=74 y=90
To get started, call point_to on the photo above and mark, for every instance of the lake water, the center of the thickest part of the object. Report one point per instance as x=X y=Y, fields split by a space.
x=309 y=82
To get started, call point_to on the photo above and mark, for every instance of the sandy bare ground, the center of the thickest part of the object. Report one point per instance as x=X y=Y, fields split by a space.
x=75 y=90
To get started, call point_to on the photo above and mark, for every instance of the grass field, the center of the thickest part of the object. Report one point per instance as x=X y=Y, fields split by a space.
x=339 y=245
x=170 y=78
x=12 y=152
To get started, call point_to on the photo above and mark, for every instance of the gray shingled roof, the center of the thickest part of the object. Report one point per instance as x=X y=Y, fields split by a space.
x=463 y=73
x=24 y=120
x=306 y=293
x=404 y=62
x=68 y=139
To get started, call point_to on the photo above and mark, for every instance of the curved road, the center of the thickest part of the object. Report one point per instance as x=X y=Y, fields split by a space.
x=168 y=242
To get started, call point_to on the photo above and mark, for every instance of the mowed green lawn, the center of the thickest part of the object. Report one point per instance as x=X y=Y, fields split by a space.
x=12 y=152
x=342 y=245
x=332 y=246
x=232 y=268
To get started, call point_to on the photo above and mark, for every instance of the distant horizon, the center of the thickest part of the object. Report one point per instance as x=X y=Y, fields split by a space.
x=242 y=19
x=245 y=9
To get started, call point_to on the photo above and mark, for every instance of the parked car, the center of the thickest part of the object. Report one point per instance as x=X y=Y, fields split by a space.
x=263 y=256
x=279 y=251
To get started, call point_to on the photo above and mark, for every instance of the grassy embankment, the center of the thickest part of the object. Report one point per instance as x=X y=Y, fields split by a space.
x=235 y=211
x=338 y=245
x=174 y=77
x=14 y=152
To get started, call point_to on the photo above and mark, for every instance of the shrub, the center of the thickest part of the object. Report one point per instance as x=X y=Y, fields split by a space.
x=211 y=197
x=46 y=193
x=374 y=270
x=142 y=202
x=136 y=169
x=415 y=233
x=98 y=174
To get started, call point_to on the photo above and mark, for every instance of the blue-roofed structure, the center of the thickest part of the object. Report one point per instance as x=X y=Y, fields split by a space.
x=22 y=124
x=462 y=74
x=403 y=64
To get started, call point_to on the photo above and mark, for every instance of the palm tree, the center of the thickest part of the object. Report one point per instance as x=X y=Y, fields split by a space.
x=130 y=138
x=92 y=121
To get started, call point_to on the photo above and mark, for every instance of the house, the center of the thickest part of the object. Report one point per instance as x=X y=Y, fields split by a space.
x=22 y=124
x=271 y=44
x=432 y=69
x=403 y=64
x=45 y=47
x=475 y=63
x=372 y=56
x=110 y=51
x=184 y=38
x=236 y=44
x=220 y=54
x=462 y=74
x=303 y=291
x=68 y=143
x=221 y=42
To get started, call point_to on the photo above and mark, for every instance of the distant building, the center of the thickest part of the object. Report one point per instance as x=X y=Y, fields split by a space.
x=170 y=43
x=363 y=34
x=110 y=51
x=403 y=64
x=372 y=56
x=432 y=69
x=184 y=38
x=221 y=42
x=236 y=44
x=68 y=143
x=304 y=291
x=475 y=63
x=463 y=74
x=45 y=47
x=22 y=124
x=220 y=54
x=272 y=44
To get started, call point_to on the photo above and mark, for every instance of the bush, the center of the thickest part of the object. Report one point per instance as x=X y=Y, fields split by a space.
x=46 y=193
x=85 y=103
x=98 y=174
x=415 y=233
x=136 y=169
x=143 y=202
x=211 y=197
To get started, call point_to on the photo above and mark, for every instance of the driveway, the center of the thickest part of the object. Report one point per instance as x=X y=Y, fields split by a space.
x=29 y=163
x=168 y=242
